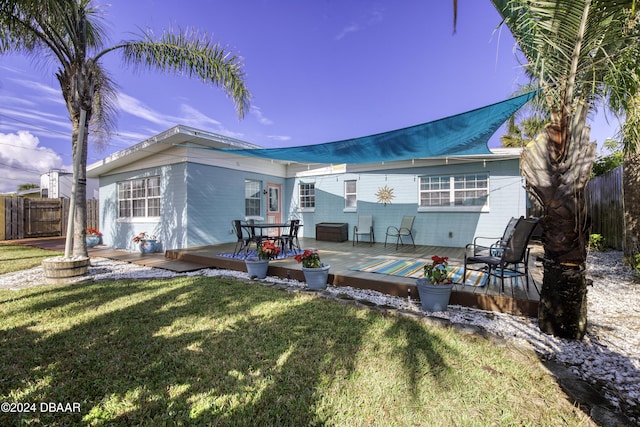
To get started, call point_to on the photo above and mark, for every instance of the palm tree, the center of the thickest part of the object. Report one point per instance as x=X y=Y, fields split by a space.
x=573 y=49
x=521 y=133
x=70 y=34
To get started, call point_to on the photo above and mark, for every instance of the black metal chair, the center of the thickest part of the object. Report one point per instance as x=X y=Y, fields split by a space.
x=504 y=259
x=290 y=239
x=494 y=242
x=243 y=241
x=405 y=229
x=364 y=227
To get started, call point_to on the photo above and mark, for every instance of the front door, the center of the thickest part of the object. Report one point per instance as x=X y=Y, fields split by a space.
x=274 y=207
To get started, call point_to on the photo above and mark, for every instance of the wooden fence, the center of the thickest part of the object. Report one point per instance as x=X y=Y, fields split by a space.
x=604 y=204
x=23 y=217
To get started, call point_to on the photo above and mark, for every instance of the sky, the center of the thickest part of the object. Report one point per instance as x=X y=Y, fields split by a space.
x=318 y=71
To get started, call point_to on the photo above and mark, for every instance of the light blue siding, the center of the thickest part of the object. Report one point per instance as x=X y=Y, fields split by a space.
x=216 y=198
x=172 y=225
x=451 y=228
x=199 y=202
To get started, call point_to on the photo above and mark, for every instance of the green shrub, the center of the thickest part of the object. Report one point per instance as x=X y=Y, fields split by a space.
x=635 y=264
x=596 y=242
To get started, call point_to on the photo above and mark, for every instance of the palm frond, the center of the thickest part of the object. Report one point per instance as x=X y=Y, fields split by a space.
x=191 y=54
x=569 y=40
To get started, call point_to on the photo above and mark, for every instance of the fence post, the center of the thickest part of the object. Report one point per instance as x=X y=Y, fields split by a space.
x=3 y=209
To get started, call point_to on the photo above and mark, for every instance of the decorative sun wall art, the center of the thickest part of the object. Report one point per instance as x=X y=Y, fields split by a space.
x=385 y=195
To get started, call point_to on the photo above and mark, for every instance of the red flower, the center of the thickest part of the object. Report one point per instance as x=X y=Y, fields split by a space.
x=93 y=232
x=268 y=250
x=309 y=258
x=437 y=272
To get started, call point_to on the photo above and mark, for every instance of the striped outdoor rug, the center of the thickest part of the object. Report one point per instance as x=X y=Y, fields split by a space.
x=415 y=269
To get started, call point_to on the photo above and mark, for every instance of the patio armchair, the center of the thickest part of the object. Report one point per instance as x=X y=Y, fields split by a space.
x=290 y=239
x=504 y=259
x=364 y=227
x=405 y=229
x=495 y=243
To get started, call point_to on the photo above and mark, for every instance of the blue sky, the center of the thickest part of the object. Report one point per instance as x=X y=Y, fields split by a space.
x=318 y=70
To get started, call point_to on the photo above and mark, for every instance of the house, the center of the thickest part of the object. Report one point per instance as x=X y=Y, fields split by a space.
x=57 y=183
x=186 y=186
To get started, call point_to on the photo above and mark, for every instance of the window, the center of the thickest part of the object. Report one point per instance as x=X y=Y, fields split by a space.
x=471 y=190
x=251 y=197
x=307 y=195
x=350 y=194
x=139 y=198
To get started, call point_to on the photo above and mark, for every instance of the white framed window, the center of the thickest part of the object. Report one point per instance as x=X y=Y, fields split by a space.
x=252 y=197
x=351 y=194
x=455 y=192
x=139 y=198
x=307 y=195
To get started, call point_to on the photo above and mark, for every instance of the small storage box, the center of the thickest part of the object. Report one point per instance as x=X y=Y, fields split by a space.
x=332 y=231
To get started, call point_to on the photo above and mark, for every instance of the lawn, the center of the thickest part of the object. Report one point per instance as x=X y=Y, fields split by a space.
x=19 y=257
x=218 y=351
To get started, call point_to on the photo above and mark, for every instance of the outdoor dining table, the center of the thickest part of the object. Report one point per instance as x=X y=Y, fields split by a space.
x=252 y=229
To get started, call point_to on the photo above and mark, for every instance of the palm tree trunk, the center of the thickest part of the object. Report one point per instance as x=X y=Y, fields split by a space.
x=556 y=167
x=78 y=134
x=80 y=182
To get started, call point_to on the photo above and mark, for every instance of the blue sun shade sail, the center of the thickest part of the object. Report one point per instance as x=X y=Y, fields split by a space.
x=463 y=134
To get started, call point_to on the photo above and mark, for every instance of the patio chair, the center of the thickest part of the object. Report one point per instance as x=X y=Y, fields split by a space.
x=405 y=229
x=290 y=239
x=504 y=259
x=364 y=227
x=243 y=241
x=494 y=242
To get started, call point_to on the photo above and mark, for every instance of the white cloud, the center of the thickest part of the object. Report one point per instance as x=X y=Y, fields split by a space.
x=257 y=112
x=279 y=137
x=372 y=17
x=44 y=93
x=197 y=119
x=22 y=160
x=137 y=108
x=351 y=28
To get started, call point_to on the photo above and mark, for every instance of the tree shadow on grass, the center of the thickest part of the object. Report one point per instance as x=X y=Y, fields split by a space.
x=190 y=351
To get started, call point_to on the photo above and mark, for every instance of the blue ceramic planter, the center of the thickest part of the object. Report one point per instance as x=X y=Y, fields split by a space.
x=92 y=240
x=433 y=297
x=148 y=246
x=257 y=268
x=316 y=278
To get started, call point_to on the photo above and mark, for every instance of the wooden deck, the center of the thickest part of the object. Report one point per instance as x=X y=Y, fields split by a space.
x=342 y=257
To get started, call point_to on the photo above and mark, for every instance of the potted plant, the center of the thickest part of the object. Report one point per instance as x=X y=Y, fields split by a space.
x=315 y=272
x=148 y=243
x=257 y=268
x=93 y=237
x=435 y=287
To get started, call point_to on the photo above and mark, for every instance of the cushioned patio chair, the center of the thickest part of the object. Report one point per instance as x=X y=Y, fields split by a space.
x=290 y=239
x=365 y=228
x=405 y=229
x=504 y=259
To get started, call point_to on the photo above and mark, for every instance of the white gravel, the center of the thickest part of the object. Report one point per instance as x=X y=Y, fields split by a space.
x=609 y=355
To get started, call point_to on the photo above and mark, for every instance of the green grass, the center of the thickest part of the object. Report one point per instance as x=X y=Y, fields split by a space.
x=216 y=351
x=18 y=257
